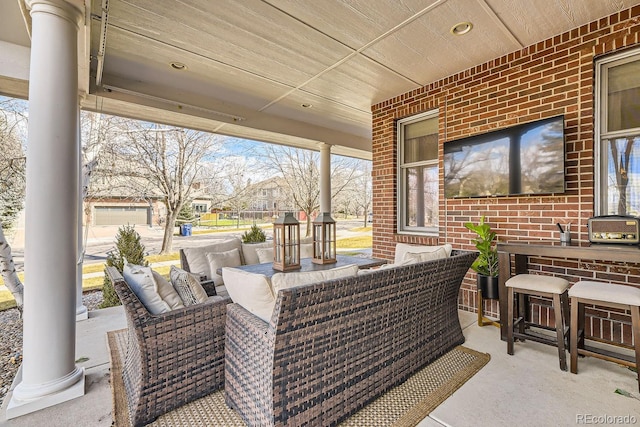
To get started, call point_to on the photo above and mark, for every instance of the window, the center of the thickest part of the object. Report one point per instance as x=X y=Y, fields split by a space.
x=618 y=134
x=418 y=174
x=199 y=208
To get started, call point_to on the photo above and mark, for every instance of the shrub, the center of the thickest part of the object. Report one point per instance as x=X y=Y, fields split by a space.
x=128 y=248
x=255 y=235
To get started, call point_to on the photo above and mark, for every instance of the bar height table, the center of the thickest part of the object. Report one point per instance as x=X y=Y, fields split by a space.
x=523 y=249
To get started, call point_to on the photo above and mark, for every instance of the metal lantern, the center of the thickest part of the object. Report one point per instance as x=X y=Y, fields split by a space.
x=324 y=239
x=286 y=243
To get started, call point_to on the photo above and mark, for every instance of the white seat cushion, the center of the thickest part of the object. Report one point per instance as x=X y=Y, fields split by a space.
x=606 y=292
x=252 y=291
x=288 y=280
x=403 y=248
x=197 y=257
x=540 y=283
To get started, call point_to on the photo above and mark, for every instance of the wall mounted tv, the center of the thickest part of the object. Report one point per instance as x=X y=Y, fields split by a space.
x=523 y=159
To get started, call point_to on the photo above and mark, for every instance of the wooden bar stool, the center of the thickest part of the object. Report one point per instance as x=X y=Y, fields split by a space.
x=604 y=295
x=542 y=286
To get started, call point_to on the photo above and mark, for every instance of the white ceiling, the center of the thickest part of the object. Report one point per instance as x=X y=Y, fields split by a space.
x=252 y=64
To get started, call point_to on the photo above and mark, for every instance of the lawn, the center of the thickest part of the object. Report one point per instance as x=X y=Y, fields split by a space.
x=95 y=283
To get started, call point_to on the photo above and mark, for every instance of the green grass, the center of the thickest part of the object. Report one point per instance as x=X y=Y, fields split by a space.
x=95 y=283
x=359 y=242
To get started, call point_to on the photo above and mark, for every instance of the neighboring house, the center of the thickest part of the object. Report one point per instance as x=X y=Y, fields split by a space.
x=269 y=197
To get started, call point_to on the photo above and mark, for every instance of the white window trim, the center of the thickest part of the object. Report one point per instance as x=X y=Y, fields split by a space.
x=401 y=200
x=601 y=131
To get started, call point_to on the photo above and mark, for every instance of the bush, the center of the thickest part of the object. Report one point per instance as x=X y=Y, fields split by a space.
x=128 y=248
x=255 y=235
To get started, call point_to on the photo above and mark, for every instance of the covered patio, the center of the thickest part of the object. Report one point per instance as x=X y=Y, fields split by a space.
x=340 y=78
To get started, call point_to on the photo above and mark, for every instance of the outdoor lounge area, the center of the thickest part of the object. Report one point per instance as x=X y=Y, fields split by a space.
x=516 y=121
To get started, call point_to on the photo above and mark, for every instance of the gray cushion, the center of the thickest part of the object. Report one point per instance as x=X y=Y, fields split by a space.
x=167 y=292
x=252 y=291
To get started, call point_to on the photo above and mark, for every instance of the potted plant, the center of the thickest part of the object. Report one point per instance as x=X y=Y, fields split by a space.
x=486 y=265
x=254 y=235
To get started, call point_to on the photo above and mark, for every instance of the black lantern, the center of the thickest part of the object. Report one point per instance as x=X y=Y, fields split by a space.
x=324 y=239
x=286 y=243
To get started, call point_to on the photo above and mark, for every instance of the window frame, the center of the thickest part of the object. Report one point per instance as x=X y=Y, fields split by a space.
x=401 y=175
x=601 y=131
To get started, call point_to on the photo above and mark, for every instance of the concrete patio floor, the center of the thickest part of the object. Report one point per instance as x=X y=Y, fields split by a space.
x=527 y=389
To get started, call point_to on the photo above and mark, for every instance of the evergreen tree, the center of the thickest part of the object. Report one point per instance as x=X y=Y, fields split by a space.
x=128 y=249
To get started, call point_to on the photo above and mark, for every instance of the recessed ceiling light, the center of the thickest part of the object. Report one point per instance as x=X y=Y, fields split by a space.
x=178 y=66
x=461 y=28
x=305 y=105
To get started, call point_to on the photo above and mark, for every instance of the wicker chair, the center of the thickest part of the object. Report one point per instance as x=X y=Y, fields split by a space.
x=172 y=358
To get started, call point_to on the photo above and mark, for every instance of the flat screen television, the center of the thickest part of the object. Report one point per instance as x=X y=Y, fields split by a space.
x=523 y=159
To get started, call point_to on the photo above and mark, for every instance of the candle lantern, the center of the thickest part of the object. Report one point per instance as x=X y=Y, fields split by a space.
x=286 y=243
x=324 y=239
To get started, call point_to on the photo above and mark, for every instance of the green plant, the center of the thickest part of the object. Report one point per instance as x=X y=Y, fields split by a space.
x=254 y=235
x=128 y=248
x=185 y=214
x=487 y=262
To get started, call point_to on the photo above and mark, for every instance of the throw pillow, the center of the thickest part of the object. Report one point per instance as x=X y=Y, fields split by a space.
x=265 y=255
x=142 y=283
x=252 y=291
x=249 y=251
x=197 y=257
x=386 y=266
x=426 y=256
x=402 y=248
x=289 y=280
x=167 y=291
x=217 y=260
x=188 y=286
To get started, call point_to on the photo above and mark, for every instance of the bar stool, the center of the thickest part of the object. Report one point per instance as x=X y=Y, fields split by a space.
x=604 y=295
x=542 y=286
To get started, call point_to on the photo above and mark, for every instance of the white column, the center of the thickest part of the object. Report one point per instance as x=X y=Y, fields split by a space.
x=325 y=178
x=48 y=374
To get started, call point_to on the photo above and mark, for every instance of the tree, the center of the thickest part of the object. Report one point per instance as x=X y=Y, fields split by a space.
x=162 y=161
x=301 y=170
x=128 y=249
x=12 y=187
x=12 y=160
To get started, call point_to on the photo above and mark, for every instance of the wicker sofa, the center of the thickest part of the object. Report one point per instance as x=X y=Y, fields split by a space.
x=171 y=358
x=332 y=347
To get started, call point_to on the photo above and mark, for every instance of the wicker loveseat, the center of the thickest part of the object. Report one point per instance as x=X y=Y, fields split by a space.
x=171 y=358
x=332 y=347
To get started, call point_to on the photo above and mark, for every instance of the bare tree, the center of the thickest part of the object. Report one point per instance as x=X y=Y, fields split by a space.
x=12 y=186
x=301 y=171
x=163 y=161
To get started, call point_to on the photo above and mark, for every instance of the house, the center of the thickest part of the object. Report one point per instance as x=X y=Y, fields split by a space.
x=373 y=80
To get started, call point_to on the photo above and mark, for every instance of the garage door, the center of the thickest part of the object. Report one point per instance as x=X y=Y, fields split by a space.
x=121 y=215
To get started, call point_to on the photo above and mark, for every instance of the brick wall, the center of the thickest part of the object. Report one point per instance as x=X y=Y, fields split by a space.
x=552 y=77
